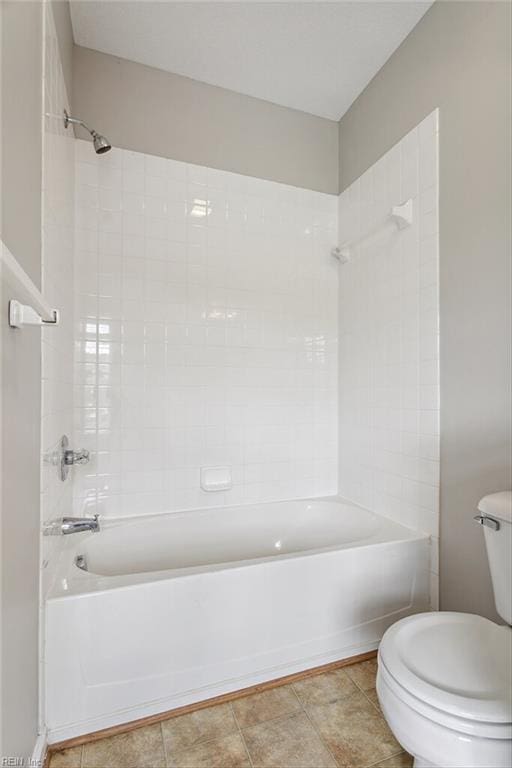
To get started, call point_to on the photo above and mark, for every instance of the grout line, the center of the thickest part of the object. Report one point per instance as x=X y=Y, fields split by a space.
x=315 y=729
x=241 y=734
x=287 y=716
x=381 y=715
x=363 y=691
x=389 y=757
x=284 y=716
x=201 y=742
x=379 y=711
x=292 y=686
x=167 y=763
x=301 y=708
x=319 y=735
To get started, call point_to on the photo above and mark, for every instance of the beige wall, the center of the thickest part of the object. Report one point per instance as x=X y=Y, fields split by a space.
x=148 y=110
x=20 y=228
x=21 y=132
x=21 y=372
x=62 y=18
x=458 y=59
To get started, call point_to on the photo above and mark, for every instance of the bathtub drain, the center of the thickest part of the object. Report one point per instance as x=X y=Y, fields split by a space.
x=81 y=562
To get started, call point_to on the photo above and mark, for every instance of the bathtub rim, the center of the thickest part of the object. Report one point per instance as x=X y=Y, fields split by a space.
x=85 y=583
x=324 y=577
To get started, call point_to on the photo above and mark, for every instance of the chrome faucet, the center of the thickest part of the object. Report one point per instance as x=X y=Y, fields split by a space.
x=78 y=524
x=65 y=525
x=64 y=458
x=77 y=457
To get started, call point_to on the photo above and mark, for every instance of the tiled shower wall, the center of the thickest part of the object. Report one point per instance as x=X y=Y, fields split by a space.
x=58 y=175
x=57 y=287
x=205 y=335
x=388 y=345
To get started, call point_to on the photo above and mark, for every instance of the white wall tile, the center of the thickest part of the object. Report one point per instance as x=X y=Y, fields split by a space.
x=389 y=339
x=214 y=337
x=57 y=285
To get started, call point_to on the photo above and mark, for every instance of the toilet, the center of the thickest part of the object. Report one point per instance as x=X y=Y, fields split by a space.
x=444 y=679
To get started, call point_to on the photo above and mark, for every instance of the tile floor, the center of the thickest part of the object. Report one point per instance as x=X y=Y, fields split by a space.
x=331 y=719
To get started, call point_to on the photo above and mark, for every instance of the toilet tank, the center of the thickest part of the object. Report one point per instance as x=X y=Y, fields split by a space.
x=496 y=517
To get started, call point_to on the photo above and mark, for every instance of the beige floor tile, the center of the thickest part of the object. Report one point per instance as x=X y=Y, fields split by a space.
x=67 y=758
x=141 y=748
x=403 y=760
x=223 y=752
x=371 y=693
x=322 y=689
x=354 y=731
x=289 y=742
x=265 y=706
x=363 y=674
x=189 y=730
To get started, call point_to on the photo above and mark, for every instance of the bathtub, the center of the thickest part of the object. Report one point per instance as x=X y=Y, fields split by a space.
x=159 y=612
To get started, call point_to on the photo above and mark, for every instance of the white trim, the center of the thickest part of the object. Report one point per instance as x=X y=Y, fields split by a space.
x=39 y=751
x=204 y=693
x=24 y=290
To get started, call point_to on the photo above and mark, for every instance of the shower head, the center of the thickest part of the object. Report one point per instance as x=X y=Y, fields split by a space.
x=100 y=143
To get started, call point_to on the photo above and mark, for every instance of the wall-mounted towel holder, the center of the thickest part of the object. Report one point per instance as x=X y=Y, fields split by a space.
x=29 y=307
x=23 y=314
x=400 y=216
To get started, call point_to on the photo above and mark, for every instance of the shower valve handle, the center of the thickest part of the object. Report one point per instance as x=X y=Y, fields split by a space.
x=64 y=457
x=77 y=457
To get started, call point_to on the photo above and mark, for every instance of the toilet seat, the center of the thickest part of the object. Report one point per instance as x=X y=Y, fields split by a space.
x=457 y=666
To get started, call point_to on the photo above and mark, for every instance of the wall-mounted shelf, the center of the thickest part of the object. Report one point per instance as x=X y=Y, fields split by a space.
x=28 y=306
x=400 y=216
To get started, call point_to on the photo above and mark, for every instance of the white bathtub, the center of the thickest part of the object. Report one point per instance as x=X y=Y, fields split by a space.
x=182 y=607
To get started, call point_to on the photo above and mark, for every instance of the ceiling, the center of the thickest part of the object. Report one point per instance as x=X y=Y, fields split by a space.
x=312 y=56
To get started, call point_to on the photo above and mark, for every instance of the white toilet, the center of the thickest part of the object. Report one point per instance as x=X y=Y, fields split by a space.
x=445 y=679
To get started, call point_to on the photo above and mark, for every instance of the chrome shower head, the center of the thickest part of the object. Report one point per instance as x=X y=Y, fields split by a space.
x=100 y=143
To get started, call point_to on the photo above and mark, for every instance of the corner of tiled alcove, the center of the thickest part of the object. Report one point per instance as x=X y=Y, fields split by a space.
x=57 y=286
x=389 y=340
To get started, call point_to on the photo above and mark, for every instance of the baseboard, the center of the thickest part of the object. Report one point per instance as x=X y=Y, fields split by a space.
x=39 y=752
x=220 y=699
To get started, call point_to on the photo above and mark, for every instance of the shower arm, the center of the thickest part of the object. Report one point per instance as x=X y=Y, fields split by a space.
x=100 y=143
x=68 y=120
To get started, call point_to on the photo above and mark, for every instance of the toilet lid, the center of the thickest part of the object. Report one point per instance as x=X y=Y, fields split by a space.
x=456 y=662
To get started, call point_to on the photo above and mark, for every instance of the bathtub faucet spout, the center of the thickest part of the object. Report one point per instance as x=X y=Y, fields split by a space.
x=65 y=525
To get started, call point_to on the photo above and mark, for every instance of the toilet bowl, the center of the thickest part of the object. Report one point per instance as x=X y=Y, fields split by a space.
x=444 y=686
x=444 y=679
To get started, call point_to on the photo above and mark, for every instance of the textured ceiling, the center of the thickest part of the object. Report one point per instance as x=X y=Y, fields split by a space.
x=316 y=57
